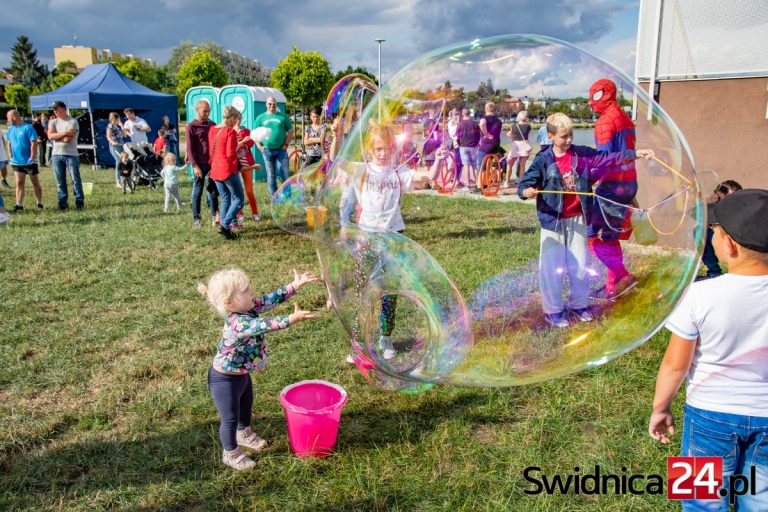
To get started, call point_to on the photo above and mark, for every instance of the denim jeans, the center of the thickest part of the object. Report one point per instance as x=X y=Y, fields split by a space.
x=709 y=258
x=742 y=441
x=271 y=158
x=60 y=165
x=197 y=193
x=232 y=198
x=115 y=151
x=172 y=146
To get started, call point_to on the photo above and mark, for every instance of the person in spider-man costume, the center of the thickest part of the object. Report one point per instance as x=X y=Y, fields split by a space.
x=614 y=131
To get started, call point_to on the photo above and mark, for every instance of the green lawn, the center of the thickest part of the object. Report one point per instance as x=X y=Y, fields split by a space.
x=106 y=344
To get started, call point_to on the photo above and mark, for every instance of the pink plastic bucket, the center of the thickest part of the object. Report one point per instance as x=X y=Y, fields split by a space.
x=312 y=412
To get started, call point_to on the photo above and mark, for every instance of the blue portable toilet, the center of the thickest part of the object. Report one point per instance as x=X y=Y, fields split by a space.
x=205 y=93
x=251 y=102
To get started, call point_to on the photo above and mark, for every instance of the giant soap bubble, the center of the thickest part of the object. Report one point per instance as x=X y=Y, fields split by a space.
x=458 y=295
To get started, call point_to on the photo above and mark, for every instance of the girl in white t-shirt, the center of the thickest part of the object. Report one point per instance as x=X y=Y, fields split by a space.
x=375 y=189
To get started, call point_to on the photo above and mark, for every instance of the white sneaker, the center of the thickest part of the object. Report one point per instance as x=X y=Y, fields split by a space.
x=387 y=350
x=5 y=217
x=197 y=224
x=350 y=359
x=250 y=440
x=237 y=459
x=257 y=217
x=583 y=314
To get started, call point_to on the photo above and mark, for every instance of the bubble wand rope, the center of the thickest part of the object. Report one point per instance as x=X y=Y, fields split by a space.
x=565 y=192
x=670 y=169
x=647 y=210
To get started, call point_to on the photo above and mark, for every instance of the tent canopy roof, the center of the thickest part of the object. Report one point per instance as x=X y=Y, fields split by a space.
x=102 y=86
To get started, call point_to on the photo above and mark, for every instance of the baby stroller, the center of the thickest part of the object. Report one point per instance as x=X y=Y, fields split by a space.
x=146 y=163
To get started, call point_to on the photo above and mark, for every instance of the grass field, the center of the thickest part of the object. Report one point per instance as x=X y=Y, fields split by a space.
x=105 y=346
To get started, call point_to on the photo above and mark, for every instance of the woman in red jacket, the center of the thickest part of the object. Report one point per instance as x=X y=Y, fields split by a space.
x=222 y=139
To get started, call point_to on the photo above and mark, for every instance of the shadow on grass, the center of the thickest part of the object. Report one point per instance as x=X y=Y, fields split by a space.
x=92 y=466
x=471 y=233
x=186 y=456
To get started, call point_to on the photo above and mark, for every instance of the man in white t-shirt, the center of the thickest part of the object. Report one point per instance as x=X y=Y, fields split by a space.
x=720 y=342
x=135 y=127
x=63 y=131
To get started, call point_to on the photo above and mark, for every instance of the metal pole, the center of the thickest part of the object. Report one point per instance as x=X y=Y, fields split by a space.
x=379 y=88
x=655 y=54
x=638 y=49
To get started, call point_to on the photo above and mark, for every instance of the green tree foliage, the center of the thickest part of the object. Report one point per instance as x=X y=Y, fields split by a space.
x=185 y=50
x=357 y=70
x=65 y=66
x=25 y=67
x=304 y=78
x=201 y=68
x=146 y=74
x=18 y=96
x=61 y=79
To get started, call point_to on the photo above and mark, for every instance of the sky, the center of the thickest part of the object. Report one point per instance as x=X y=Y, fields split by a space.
x=344 y=31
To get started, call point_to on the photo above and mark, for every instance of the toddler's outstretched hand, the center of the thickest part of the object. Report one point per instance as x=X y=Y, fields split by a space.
x=300 y=280
x=299 y=315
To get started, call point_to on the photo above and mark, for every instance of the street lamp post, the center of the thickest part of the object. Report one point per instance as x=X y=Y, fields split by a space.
x=379 y=87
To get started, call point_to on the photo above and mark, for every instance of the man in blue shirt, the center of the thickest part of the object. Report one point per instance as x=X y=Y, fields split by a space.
x=541 y=137
x=22 y=143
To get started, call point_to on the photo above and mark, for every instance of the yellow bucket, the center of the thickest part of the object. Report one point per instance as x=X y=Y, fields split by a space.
x=87 y=188
x=644 y=232
x=315 y=215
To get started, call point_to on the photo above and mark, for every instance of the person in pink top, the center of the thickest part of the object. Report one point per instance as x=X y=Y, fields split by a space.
x=222 y=139
x=247 y=166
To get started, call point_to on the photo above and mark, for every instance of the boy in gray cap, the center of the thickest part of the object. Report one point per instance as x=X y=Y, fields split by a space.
x=720 y=343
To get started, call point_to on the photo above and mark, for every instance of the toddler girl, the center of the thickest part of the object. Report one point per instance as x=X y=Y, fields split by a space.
x=241 y=350
x=171 y=180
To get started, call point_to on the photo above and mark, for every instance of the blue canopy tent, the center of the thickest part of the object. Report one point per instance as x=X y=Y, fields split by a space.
x=101 y=89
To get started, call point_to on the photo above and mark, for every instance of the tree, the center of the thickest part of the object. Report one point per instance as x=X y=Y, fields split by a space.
x=304 y=78
x=201 y=68
x=18 y=96
x=185 y=50
x=349 y=71
x=25 y=67
x=61 y=79
x=65 y=66
x=146 y=74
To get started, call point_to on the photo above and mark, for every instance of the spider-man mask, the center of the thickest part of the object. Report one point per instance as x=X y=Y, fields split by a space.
x=602 y=94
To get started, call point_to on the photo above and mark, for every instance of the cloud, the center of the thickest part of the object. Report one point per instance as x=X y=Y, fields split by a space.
x=437 y=22
x=342 y=30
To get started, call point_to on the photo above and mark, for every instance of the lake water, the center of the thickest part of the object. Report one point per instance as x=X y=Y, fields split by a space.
x=581 y=137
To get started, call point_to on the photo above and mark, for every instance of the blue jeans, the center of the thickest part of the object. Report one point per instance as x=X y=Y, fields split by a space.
x=197 y=193
x=742 y=441
x=172 y=146
x=60 y=165
x=709 y=258
x=271 y=158
x=233 y=396
x=232 y=198
x=115 y=151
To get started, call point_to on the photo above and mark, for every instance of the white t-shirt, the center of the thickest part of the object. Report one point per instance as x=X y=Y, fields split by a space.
x=64 y=125
x=132 y=128
x=729 y=317
x=377 y=191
